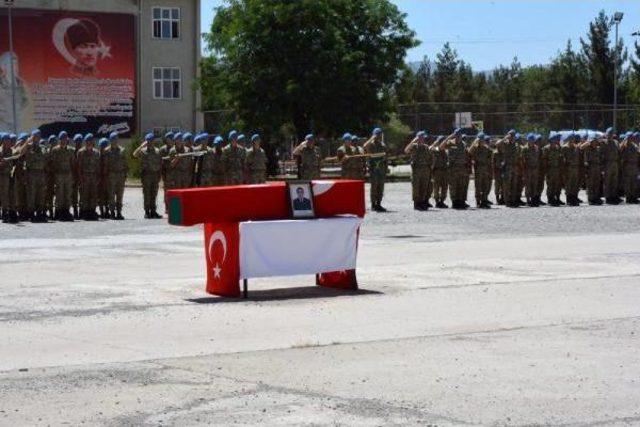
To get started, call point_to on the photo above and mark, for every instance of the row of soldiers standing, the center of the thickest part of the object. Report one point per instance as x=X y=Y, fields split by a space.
x=203 y=160
x=603 y=165
x=61 y=178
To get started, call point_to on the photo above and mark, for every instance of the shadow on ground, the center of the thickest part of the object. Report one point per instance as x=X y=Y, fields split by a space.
x=281 y=294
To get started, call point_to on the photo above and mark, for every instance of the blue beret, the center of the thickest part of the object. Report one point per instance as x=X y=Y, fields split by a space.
x=13 y=136
x=354 y=137
x=511 y=132
x=149 y=137
x=487 y=138
x=88 y=137
x=4 y=136
x=168 y=135
x=103 y=142
x=23 y=136
x=241 y=137
x=218 y=140
x=609 y=131
x=421 y=134
x=52 y=139
x=187 y=136
x=480 y=135
x=177 y=136
x=198 y=139
x=113 y=135
x=255 y=137
x=376 y=131
x=77 y=137
x=309 y=137
x=346 y=136
x=457 y=131
x=531 y=137
x=538 y=137
x=62 y=134
x=35 y=132
x=204 y=135
x=233 y=134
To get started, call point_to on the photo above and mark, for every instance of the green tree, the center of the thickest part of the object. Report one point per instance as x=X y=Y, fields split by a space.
x=321 y=65
x=445 y=73
x=599 y=58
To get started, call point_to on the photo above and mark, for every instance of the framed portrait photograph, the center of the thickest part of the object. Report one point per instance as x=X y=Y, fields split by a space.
x=301 y=199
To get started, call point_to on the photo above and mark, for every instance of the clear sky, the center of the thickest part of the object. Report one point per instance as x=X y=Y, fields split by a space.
x=487 y=33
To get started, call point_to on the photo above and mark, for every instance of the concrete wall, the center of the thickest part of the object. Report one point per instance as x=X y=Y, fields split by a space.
x=183 y=52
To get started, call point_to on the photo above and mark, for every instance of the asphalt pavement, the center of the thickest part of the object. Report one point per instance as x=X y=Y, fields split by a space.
x=525 y=316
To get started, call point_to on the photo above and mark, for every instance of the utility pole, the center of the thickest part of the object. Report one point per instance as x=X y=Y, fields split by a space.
x=617 y=18
x=9 y=4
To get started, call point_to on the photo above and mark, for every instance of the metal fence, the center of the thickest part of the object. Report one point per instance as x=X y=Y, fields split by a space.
x=439 y=118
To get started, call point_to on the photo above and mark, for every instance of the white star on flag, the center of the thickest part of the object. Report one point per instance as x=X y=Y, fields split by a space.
x=216 y=271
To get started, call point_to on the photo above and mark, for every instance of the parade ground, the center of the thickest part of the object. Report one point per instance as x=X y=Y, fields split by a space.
x=526 y=316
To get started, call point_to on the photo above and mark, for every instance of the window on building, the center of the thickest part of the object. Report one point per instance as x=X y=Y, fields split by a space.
x=166 y=22
x=167 y=83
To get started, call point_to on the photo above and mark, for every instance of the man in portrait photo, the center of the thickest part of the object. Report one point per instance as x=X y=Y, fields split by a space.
x=301 y=203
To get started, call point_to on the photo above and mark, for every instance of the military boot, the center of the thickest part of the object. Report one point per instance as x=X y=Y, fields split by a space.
x=75 y=213
x=146 y=214
x=155 y=214
x=416 y=206
x=14 y=218
x=111 y=213
x=119 y=216
x=5 y=216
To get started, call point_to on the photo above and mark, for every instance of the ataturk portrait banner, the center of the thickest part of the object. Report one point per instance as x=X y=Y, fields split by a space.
x=73 y=71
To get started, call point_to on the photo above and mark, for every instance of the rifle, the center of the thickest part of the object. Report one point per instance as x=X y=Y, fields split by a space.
x=189 y=154
x=356 y=156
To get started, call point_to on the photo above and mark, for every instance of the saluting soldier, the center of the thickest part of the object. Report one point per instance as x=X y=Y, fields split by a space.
x=188 y=163
x=309 y=158
x=509 y=169
x=52 y=142
x=75 y=191
x=62 y=167
x=629 y=156
x=571 y=166
x=439 y=172
x=593 y=168
x=35 y=161
x=531 y=169
x=89 y=170
x=541 y=172
x=20 y=179
x=9 y=214
x=377 y=150
x=103 y=188
x=611 y=159
x=256 y=162
x=180 y=163
x=115 y=170
x=457 y=169
x=481 y=156
x=150 y=173
x=552 y=160
x=165 y=149
x=421 y=162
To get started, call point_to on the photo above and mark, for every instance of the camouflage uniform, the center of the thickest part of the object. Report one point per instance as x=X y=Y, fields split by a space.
x=150 y=173
x=531 y=164
x=115 y=173
x=481 y=156
x=497 y=161
x=256 y=164
x=89 y=165
x=439 y=174
x=458 y=173
x=20 y=187
x=351 y=168
x=552 y=158
x=35 y=160
x=212 y=169
x=377 y=172
x=51 y=182
x=234 y=158
x=6 y=189
x=62 y=166
x=421 y=163
x=593 y=165
x=611 y=158
x=629 y=156
x=309 y=163
x=510 y=173
x=571 y=161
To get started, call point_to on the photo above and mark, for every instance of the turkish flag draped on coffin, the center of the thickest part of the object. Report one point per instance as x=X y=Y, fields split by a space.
x=222 y=251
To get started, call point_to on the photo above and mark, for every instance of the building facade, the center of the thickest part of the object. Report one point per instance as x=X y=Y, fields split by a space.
x=102 y=65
